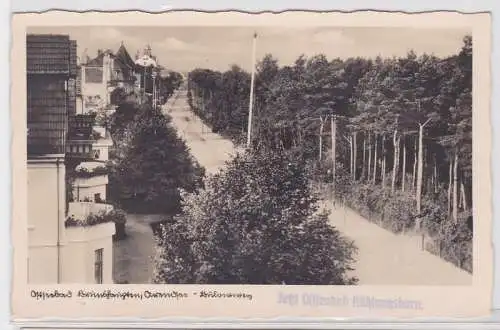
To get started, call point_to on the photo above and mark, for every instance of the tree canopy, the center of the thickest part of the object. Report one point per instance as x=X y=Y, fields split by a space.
x=403 y=130
x=256 y=222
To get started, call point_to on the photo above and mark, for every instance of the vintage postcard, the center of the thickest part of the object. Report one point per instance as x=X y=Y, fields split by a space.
x=229 y=165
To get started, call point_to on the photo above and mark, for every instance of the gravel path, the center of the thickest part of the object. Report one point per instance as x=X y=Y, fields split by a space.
x=383 y=257
x=132 y=256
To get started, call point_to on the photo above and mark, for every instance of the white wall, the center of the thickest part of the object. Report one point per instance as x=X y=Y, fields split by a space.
x=79 y=253
x=81 y=210
x=103 y=147
x=88 y=187
x=101 y=89
x=46 y=208
x=46 y=215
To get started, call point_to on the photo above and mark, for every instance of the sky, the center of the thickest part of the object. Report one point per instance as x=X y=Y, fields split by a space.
x=185 y=48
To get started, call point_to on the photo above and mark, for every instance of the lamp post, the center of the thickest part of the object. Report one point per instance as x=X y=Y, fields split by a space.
x=154 y=88
x=145 y=62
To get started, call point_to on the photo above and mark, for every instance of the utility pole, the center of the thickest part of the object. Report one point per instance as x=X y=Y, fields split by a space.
x=333 y=122
x=154 y=89
x=250 y=107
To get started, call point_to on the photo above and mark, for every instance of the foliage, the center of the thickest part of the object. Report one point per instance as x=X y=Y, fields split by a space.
x=118 y=96
x=152 y=165
x=116 y=215
x=256 y=222
x=121 y=118
x=381 y=106
x=82 y=172
x=169 y=84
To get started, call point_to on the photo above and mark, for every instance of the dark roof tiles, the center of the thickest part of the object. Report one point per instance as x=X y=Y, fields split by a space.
x=50 y=54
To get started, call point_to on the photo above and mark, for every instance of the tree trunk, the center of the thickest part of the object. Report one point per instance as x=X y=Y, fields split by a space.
x=450 y=186
x=375 y=160
x=395 y=142
x=383 y=160
x=355 y=152
x=455 y=187
x=351 y=161
x=415 y=161
x=420 y=168
x=369 y=157
x=363 y=172
x=403 y=174
x=321 y=125
x=435 y=175
x=464 y=196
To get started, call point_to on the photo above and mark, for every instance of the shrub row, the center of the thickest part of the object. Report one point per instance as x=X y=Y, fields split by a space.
x=396 y=212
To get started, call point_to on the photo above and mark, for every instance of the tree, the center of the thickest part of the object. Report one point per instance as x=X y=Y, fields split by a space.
x=153 y=166
x=118 y=122
x=256 y=222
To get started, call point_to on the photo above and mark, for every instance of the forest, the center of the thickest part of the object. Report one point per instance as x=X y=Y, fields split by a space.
x=389 y=137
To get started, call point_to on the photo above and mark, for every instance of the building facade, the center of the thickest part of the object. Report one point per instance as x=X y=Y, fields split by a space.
x=66 y=251
x=101 y=76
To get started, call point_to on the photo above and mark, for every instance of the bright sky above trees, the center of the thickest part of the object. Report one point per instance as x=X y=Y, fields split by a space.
x=182 y=49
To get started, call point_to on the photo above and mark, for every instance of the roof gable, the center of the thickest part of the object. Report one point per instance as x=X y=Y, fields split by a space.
x=123 y=56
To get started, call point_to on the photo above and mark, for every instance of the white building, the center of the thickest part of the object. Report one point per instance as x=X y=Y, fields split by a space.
x=91 y=181
x=59 y=251
x=100 y=76
x=102 y=145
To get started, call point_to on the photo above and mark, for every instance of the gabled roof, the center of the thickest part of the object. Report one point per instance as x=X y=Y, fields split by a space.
x=97 y=61
x=123 y=56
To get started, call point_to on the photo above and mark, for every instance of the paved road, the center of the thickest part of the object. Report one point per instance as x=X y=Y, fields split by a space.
x=210 y=149
x=383 y=258
x=132 y=257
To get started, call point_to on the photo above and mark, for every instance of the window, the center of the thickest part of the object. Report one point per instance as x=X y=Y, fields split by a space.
x=97 y=198
x=98 y=264
x=93 y=75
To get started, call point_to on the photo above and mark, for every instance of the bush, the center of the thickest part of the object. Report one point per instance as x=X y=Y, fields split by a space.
x=453 y=241
x=82 y=172
x=256 y=222
x=116 y=216
x=396 y=212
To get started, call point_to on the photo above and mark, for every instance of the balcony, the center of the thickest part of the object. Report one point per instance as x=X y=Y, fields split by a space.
x=88 y=212
x=87 y=170
x=80 y=149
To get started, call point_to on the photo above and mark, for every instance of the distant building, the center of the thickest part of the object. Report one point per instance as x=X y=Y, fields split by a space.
x=60 y=251
x=148 y=74
x=100 y=76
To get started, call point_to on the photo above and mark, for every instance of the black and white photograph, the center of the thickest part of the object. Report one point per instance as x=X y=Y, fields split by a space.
x=326 y=156
x=259 y=155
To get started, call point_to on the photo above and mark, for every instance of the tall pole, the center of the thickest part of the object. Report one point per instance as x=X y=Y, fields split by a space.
x=250 y=107
x=154 y=90
x=144 y=84
x=333 y=121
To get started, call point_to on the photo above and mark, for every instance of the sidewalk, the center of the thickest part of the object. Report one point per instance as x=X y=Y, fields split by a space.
x=383 y=257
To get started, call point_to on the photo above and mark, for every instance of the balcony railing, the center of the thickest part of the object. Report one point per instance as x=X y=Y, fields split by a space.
x=81 y=210
x=91 y=214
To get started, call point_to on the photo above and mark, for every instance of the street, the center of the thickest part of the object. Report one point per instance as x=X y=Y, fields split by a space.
x=383 y=257
x=132 y=256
